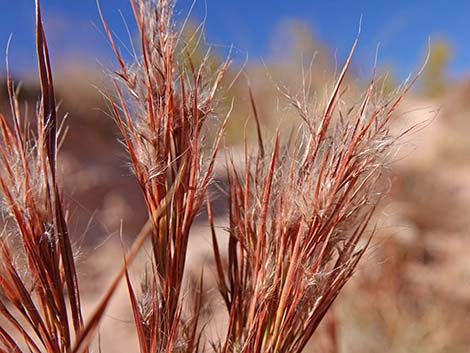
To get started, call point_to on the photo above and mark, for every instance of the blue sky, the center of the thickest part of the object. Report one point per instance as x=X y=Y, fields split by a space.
x=401 y=27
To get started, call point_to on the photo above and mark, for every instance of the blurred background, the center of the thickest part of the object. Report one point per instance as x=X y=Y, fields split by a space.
x=412 y=291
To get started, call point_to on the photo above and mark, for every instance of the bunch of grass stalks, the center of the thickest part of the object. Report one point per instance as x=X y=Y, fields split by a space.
x=38 y=280
x=298 y=211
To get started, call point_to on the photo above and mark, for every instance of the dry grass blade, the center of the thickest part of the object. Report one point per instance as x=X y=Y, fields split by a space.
x=89 y=330
x=50 y=140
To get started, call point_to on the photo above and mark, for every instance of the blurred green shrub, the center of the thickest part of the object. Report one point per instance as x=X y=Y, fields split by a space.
x=434 y=76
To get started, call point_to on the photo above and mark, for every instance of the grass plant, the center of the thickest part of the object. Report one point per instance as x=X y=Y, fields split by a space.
x=298 y=210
